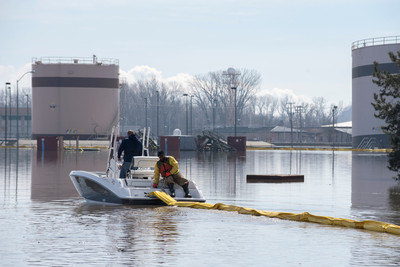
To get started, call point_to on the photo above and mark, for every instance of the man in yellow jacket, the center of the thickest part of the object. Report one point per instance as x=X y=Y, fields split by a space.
x=168 y=167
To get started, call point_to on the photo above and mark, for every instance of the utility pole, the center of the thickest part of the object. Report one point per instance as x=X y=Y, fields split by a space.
x=299 y=110
x=5 y=138
x=291 y=121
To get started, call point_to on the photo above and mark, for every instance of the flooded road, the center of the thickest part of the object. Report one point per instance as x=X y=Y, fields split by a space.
x=44 y=222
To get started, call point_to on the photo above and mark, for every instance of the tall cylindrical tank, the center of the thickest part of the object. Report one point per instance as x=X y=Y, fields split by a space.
x=74 y=97
x=367 y=132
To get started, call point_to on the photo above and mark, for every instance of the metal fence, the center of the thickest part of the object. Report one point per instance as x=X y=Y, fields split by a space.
x=75 y=60
x=375 y=41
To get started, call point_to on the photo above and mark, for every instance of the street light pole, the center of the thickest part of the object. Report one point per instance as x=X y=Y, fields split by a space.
x=5 y=138
x=333 y=125
x=32 y=71
x=187 y=115
x=27 y=115
x=9 y=88
x=191 y=114
x=232 y=73
x=213 y=114
x=145 y=108
x=234 y=88
x=158 y=107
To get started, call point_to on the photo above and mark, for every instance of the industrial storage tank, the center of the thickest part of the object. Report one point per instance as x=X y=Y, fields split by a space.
x=367 y=130
x=74 y=97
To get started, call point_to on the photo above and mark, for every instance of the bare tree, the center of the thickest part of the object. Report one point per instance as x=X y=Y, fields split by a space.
x=212 y=103
x=264 y=109
x=216 y=99
x=249 y=80
x=141 y=105
x=207 y=94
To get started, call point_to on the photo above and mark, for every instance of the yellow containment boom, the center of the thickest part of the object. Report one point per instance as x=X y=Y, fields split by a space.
x=302 y=217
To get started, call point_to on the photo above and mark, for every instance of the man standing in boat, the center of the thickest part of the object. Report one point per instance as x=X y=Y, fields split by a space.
x=168 y=168
x=131 y=146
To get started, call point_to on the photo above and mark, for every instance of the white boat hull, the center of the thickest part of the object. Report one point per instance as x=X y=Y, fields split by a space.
x=97 y=187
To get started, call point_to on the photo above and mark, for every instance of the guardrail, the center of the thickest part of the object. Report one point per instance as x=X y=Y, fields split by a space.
x=75 y=60
x=375 y=41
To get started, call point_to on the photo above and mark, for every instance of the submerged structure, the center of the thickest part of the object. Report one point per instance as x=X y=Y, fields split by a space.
x=74 y=97
x=367 y=130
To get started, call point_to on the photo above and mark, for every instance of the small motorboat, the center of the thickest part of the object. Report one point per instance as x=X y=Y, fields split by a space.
x=135 y=189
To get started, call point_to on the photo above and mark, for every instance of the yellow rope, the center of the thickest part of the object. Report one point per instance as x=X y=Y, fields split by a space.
x=302 y=217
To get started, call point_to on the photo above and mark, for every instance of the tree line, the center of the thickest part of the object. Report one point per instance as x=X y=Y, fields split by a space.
x=207 y=102
x=24 y=98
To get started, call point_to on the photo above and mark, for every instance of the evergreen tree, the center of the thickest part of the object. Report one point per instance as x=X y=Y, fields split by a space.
x=387 y=107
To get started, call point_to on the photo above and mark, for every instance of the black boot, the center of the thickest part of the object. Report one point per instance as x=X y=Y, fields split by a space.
x=171 y=189
x=186 y=189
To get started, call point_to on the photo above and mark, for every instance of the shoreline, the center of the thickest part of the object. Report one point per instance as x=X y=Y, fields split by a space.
x=250 y=145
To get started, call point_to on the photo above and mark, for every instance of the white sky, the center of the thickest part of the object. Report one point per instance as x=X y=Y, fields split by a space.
x=300 y=46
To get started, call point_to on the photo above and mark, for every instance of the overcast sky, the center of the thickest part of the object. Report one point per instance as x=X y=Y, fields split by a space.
x=301 y=47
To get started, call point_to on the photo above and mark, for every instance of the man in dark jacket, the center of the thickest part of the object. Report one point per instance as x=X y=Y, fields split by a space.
x=131 y=146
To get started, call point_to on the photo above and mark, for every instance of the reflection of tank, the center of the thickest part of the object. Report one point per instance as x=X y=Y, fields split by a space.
x=73 y=97
x=367 y=131
x=50 y=169
x=371 y=183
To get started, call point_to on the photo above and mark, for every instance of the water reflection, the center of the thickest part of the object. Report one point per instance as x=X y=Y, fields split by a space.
x=12 y=166
x=374 y=192
x=220 y=171
x=297 y=169
x=369 y=190
x=50 y=172
x=7 y=172
x=55 y=226
x=132 y=226
x=394 y=201
x=333 y=164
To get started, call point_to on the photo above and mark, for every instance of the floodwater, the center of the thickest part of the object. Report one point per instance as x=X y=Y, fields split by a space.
x=44 y=222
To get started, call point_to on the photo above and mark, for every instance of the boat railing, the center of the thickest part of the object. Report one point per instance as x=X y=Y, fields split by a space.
x=112 y=169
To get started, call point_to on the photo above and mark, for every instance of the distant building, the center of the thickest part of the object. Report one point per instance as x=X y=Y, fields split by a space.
x=74 y=97
x=367 y=132
x=339 y=135
x=24 y=121
x=281 y=134
x=326 y=135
